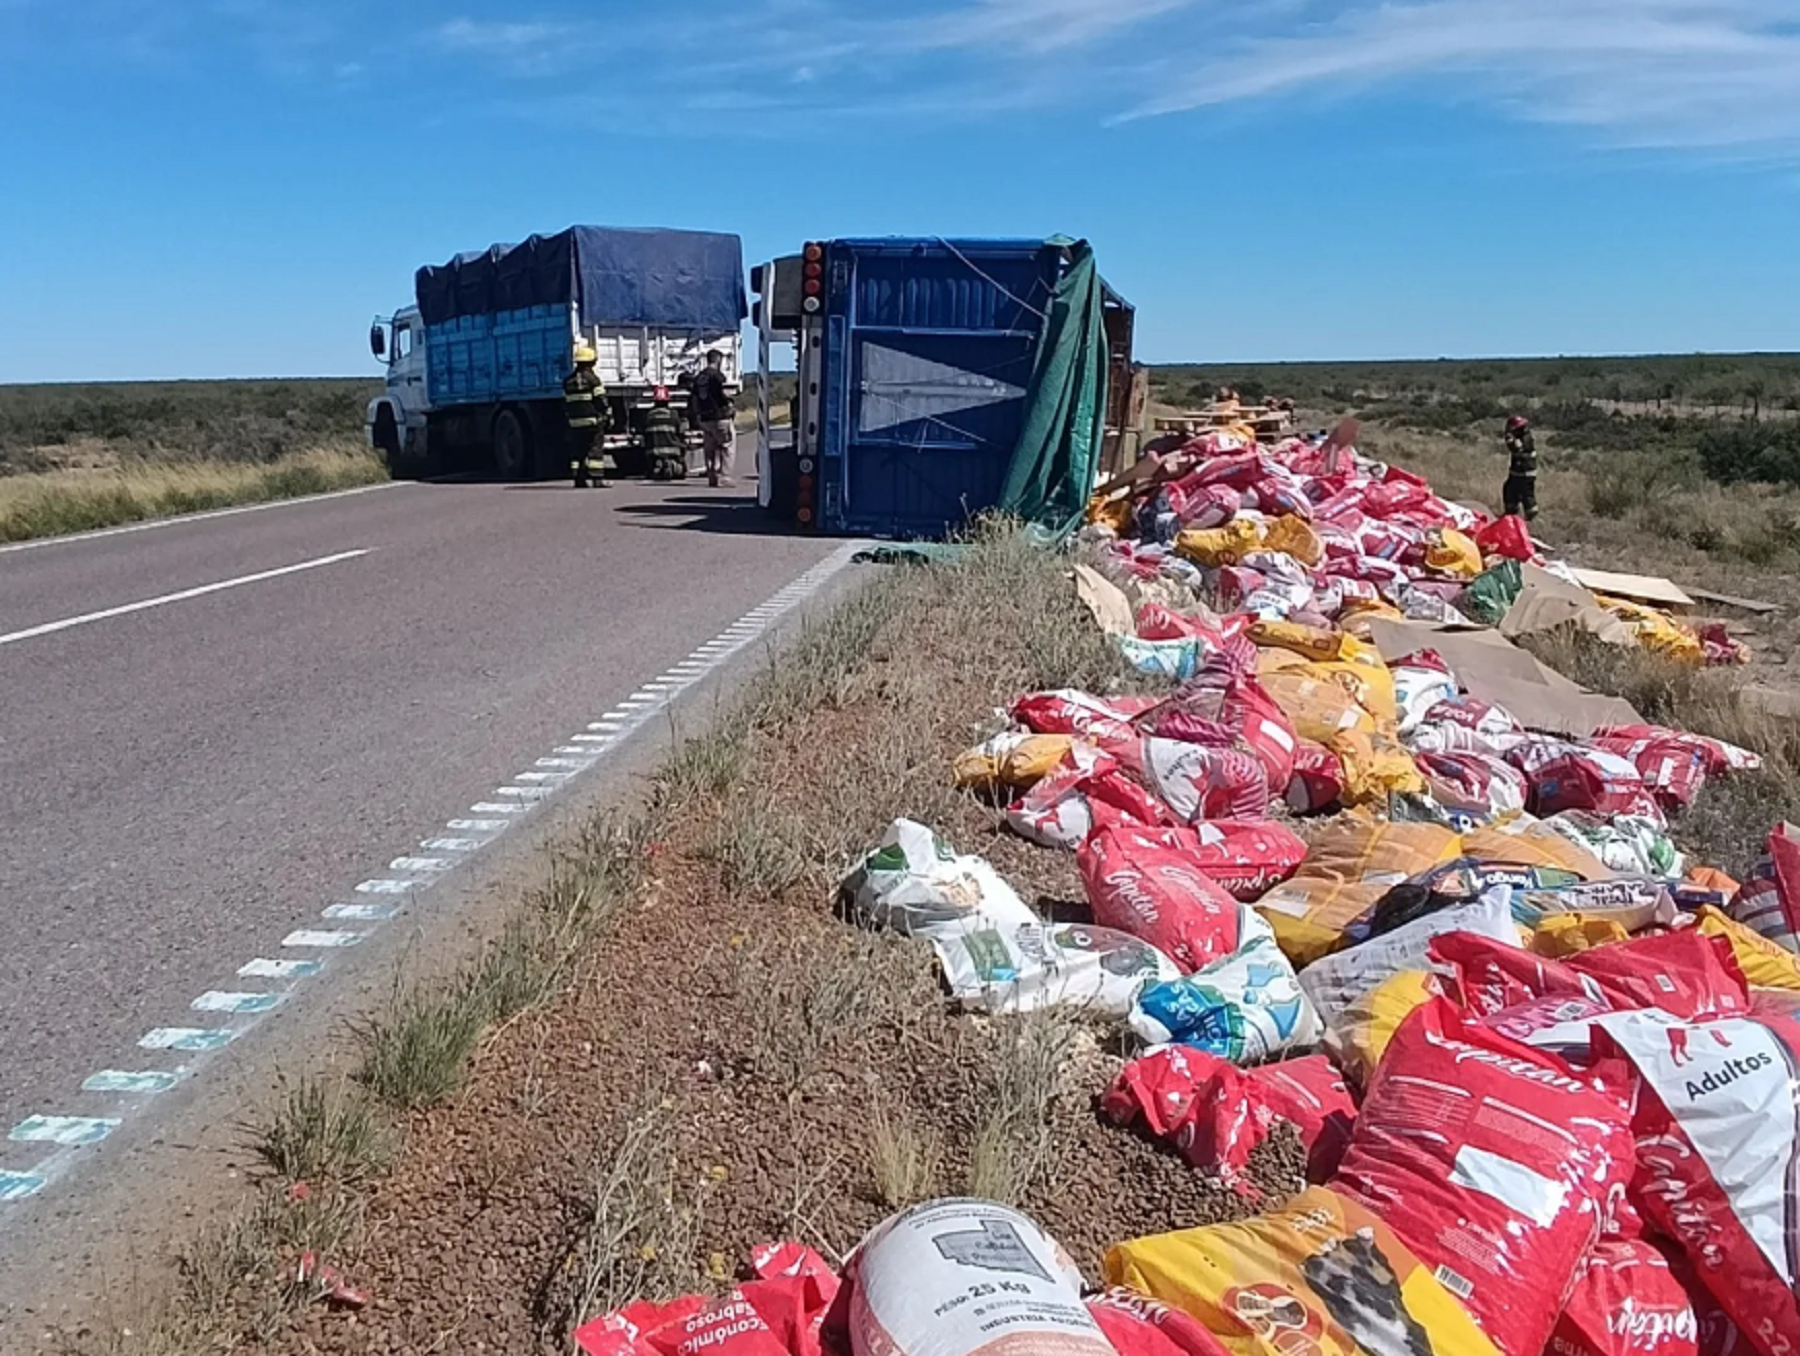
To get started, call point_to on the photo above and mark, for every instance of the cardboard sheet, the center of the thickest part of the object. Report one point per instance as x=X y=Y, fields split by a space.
x=1640 y=588
x=1495 y=670
x=1547 y=602
x=1106 y=600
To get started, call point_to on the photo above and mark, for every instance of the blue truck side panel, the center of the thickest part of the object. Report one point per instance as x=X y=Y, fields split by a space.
x=509 y=355
x=927 y=355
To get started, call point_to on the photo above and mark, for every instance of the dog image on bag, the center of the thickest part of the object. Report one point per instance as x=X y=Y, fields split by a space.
x=1361 y=1290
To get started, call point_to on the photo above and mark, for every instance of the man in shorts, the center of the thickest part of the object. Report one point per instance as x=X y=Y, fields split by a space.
x=717 y=417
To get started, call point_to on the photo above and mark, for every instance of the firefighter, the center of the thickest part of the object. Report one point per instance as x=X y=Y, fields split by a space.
x=1521 y=479
x=665 y=440
x=584 y=404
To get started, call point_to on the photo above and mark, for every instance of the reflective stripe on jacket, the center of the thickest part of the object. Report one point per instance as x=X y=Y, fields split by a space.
x=582 y=393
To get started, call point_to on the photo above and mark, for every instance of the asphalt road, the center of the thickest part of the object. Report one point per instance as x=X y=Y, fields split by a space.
x=186 y=782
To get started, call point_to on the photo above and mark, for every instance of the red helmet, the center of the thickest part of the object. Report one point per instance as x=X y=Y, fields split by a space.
x=1517 y=424
x=662 y=395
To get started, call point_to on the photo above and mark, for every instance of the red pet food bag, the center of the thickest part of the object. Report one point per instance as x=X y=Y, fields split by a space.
x=1634 y=1297
x=1686 y=973
x=1216 y=1114
x=1493 y=1161
x=1135 y=884
x=1718 y=1145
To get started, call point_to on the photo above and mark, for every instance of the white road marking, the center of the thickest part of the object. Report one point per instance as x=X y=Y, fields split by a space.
x=118 y=1080
x=215 y=1001
x=481 y=825
x=455 y=844
x=16 y=1186
x=419 y=864
x=386 y=887
x=523 y=792
x=279 y=969
x=561 y=762
x=179 y=519
x=359 y=913
x=488 y=807
x=538 y=778
x=186 y=1038
x=50 y=628
x=321 y=939
x=64 y=1130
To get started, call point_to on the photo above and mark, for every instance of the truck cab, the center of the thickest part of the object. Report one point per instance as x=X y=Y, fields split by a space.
x=396 y=419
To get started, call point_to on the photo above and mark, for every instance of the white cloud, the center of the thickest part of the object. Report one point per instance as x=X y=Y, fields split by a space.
x=491 y=38
x=1035 y=25
x=1670 y=73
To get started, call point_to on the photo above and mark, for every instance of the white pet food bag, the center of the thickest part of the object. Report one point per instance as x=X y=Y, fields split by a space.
x=967 y=1278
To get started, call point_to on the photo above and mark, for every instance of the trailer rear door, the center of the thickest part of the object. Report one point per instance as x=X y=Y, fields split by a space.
x=928 y=350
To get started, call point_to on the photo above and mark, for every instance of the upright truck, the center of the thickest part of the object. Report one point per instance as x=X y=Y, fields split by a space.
x=475 y=366
x=939 y=379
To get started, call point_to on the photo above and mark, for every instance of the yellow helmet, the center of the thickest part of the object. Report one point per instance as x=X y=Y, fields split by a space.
x=585 y=355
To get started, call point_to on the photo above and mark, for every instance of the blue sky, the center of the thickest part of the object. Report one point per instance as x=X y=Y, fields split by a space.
x=234 y=187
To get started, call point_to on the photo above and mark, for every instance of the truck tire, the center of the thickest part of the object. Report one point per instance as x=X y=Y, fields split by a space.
x=386 y=439
x=512 y=446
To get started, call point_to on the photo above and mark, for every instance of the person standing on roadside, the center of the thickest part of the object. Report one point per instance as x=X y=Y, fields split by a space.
x=1521 y=479
x=717 y=418
x=584 y=406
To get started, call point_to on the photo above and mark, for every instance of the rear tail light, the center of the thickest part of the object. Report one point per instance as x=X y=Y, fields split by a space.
x=814 y=253
x=804 y=494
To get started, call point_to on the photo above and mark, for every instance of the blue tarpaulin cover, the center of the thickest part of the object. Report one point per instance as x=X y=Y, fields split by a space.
x=615 y=276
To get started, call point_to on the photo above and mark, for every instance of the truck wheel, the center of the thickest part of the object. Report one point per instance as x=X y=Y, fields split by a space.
x=387 y=441
x=512 y=447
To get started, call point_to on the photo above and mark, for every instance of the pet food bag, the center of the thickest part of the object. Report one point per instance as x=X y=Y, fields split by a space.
x=1766 y=964
x=1138 y=885
x=1338 y=982
x=917 y=884
x=1318 y=780
x=1026 y=966
x=1137 y=1325
x=1247 y=1008
x=1217 y=1114
x=778 y=1314
x=1718 y=1141
x=1366 y=1025
x=1769 y=903
x=1013 y=758
x=1682 y=973
x=1353 y=863
x=1530 y=842
x=1494 y=1161
x=1632 y=1299
x=1324 y=1276
x=1089 y=791
x=1246 y=856
x=966 y=1278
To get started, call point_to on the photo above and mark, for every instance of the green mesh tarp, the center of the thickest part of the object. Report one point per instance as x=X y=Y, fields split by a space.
x=1052 y=467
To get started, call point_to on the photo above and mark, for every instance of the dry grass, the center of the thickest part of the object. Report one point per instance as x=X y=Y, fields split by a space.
x=325 y=1133
x=641 y=1224
x=1027 y=1064
x=905 y=1157
x=50 y=503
